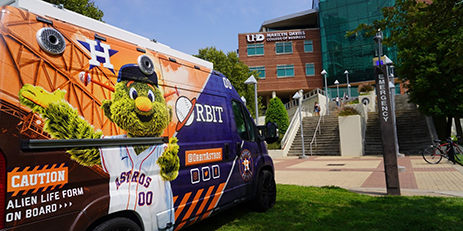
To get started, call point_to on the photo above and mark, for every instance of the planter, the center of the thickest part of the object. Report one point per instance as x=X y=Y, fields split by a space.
x=351 y=135
x=369 y=100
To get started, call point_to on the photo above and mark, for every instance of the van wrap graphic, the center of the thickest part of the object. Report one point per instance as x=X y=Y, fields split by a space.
x=203 y=156
x=99 y=89
x=246 y=165
x=187 y=207
x=38 y=178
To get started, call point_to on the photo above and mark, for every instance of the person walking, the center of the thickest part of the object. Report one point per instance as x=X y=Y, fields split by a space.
x=316 y=109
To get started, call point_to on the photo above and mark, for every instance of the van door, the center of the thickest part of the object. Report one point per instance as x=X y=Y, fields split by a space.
x=247 y=146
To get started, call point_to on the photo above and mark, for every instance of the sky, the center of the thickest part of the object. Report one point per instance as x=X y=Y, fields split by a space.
x=188 y=26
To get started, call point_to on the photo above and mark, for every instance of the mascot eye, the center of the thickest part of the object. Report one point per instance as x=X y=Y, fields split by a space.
x=151 y=95
x=133 y=93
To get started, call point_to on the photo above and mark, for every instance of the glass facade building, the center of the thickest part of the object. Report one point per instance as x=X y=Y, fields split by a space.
x=353 y=53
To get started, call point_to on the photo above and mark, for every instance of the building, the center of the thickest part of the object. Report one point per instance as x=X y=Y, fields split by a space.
x=355 y=52
x=290 y=52
x=287 y=54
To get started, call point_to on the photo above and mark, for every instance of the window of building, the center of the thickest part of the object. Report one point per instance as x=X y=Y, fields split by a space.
x=309 y=69
x=284 y=47
x=256 y=49
x=260 y=70
x=308 y=46
x=285 y=71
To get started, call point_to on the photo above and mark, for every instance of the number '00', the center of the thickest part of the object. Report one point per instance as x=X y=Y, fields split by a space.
x=145 y=198
x=227 y=83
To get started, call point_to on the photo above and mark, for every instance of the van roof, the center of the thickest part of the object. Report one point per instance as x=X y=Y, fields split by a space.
x=46 y=9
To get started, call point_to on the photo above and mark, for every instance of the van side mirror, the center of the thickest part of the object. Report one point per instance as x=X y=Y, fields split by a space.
x=270 y=132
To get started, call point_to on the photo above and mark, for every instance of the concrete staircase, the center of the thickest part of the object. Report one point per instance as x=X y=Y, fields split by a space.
x=327 y=141
x=412 y=129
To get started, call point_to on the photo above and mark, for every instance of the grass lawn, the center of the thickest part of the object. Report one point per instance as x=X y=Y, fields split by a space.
x=333 y=208
x=460 y=158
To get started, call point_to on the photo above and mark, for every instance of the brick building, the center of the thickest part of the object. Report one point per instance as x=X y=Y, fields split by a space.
x=287 y=54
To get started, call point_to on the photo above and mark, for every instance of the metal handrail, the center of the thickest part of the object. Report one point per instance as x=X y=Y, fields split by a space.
x=314 y=138
x=284 y=140
x=307 y=95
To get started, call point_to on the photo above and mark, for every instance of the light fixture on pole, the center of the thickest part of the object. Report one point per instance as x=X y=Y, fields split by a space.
x=252 y=80
x=326 y=92
x=337 y=91
x=348 y=85
x=298 y=97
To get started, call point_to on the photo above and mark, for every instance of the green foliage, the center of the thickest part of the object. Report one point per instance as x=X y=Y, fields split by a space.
x=347 y=111
x=84 y=7
x=334 y=208
x=276 y=113
x=355 y=101
x=365 y=88
x=429 y=38
x=236 y=71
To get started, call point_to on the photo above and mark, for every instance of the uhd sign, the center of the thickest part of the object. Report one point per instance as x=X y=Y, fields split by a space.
x=275 y=36
x=255 y=38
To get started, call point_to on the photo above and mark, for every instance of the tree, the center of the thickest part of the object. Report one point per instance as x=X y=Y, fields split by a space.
x=84 y=7
x=429 y=38
x=276 y=113
x=235 y=70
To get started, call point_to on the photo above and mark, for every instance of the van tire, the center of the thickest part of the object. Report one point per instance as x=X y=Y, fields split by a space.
x=266 y=192
x=119 y=224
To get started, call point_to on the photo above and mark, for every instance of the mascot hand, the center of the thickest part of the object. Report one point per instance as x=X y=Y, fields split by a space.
x=38 y=98
x=169 y=161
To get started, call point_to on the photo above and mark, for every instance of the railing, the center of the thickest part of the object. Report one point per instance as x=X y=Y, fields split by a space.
x=314 y=138
x=290 y=129
x=307 y=95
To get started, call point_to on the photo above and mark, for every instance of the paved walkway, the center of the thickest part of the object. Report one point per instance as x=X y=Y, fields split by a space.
x=366 y=174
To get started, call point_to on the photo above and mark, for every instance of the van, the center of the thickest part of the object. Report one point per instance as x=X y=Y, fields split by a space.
x=102 y=129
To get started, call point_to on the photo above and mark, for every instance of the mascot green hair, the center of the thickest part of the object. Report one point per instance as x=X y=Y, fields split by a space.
x=137 y=106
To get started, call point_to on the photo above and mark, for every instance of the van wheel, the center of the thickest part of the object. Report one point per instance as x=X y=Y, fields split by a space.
x=266 y=192
x=118 y=224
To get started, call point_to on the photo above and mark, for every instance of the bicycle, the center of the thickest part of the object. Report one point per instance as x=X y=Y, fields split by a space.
x=433 y=154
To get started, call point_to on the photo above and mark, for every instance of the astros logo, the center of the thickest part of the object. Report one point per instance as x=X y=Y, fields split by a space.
x=246 y=165
x=99 y=52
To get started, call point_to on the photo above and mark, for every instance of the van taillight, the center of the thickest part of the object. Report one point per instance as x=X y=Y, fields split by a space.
x=2 y=189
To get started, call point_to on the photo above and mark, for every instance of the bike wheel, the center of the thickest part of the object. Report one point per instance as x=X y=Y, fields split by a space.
x=432 y=155
x=458 y=151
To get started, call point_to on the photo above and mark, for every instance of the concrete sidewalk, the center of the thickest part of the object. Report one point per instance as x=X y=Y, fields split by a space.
x=366 y=174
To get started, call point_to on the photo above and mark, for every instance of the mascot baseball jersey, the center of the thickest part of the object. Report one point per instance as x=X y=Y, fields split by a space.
x=135 y=183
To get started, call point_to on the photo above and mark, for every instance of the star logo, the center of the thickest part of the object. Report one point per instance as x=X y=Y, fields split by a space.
x=100 y=53
x=246 y=165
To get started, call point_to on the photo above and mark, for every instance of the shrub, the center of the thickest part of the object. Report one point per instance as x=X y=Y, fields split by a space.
x=356 y=101
x=347 y=111
x=365 y=88
x=276 y=113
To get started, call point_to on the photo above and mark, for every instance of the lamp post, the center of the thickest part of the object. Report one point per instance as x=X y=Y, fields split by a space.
x=252 y=80
x=298 y=97
x=348 y=85
x=326 y=92
x=337 y=91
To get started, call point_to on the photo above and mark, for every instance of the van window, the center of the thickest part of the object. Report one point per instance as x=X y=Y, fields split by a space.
x=244 y=123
